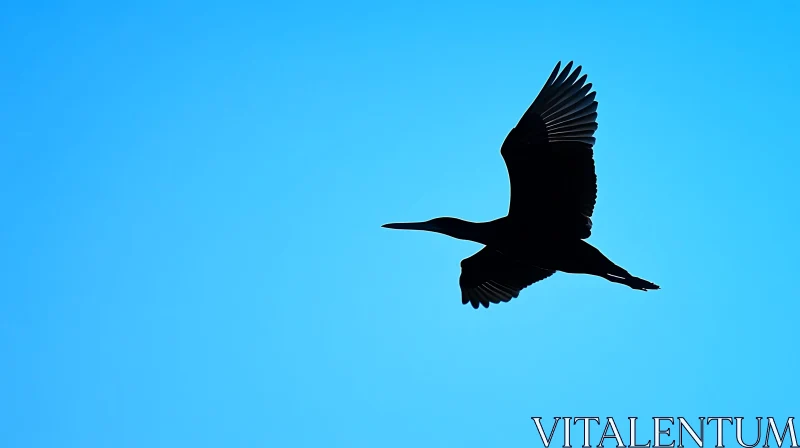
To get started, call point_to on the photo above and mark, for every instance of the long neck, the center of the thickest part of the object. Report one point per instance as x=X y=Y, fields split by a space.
x=480 y=232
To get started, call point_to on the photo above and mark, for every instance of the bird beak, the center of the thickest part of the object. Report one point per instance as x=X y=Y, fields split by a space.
x=411 y=226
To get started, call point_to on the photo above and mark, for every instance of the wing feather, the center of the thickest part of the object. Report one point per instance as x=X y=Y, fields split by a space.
x=491 y=277
x=549 y=156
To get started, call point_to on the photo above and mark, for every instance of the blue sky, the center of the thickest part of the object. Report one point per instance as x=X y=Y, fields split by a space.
x=192 y=193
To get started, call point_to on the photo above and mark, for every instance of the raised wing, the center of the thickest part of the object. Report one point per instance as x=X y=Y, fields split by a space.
x=491 y=277
x=550 y=159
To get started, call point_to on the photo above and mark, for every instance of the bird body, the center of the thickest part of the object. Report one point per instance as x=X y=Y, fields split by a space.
x=549 y=156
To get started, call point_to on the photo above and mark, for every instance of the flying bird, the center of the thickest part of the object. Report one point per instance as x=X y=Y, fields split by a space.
x=549 y=156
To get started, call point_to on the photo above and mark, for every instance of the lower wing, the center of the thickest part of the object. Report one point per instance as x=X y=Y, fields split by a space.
x=491 y=277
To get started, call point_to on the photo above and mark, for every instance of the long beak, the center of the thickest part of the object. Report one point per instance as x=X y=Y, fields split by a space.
x=410 y=226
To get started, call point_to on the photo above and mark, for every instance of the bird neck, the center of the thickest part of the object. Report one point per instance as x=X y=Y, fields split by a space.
x=479 y=232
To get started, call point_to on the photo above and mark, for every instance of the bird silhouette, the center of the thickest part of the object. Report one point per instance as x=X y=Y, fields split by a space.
x=549 y=156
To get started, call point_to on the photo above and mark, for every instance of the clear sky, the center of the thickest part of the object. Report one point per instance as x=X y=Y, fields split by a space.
x=191 y=198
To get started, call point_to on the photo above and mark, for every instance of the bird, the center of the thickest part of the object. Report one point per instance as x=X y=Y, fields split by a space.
x=549 y=156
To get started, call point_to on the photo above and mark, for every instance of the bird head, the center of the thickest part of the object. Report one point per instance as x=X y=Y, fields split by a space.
x=452 y=227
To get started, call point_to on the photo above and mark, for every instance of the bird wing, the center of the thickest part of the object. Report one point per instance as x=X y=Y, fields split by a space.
x=549 y=156
x=491 y=277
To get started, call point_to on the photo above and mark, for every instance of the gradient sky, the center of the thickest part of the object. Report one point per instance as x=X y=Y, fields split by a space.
x=191 y=198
